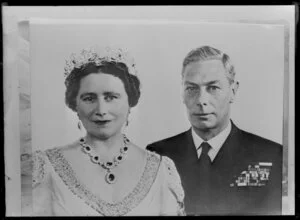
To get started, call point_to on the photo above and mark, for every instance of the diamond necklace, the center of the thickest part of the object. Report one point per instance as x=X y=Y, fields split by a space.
x=110 y=177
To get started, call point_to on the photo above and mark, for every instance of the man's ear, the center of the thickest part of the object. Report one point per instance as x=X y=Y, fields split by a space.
x=234 y=88
x=182 y=92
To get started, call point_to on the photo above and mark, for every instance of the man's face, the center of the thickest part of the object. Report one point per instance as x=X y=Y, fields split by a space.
x=207 y=95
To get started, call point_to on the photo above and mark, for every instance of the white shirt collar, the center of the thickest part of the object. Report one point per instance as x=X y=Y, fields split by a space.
x=215 y=143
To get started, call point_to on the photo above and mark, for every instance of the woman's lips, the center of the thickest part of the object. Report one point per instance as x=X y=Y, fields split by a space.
x=102 y=122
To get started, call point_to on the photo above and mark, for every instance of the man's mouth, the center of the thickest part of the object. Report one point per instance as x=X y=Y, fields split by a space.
x=202 y=114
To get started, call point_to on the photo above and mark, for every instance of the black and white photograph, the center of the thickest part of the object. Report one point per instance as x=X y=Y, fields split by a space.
x=152 y=117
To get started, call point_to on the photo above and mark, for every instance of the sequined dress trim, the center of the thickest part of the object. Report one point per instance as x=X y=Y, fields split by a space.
x=38 y=170
x=66 y=173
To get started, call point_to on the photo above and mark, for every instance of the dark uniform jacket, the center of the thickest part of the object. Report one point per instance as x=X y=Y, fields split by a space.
x=245 y=177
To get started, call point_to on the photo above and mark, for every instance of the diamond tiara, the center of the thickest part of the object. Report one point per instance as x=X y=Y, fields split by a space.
x=98 y=56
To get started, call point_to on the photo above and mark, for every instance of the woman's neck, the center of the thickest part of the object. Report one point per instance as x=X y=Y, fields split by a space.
x=106 y=147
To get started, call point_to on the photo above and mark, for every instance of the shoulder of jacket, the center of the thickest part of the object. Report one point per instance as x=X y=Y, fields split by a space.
x=262 y=145
x=259 y=140
x=166 y=142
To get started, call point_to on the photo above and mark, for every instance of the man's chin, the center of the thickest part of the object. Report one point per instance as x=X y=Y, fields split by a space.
x=204 y=126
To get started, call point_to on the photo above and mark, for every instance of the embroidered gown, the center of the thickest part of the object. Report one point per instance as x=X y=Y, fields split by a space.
x=57 y=191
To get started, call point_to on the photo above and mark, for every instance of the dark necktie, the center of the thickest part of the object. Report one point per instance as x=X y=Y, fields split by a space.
x=204 y=180
x=204 y=159
x=204 y=165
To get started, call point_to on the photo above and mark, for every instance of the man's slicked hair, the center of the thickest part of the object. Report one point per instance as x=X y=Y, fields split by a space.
x=209 y=53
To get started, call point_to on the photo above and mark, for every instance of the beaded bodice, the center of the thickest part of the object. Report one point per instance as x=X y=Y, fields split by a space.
x=68 y=176
x=53 y=159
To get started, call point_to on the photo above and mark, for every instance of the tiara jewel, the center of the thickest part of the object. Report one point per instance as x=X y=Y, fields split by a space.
x=98 y=56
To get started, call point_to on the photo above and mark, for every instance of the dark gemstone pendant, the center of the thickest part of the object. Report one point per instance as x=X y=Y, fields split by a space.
x=110 y=178
x=109 y=164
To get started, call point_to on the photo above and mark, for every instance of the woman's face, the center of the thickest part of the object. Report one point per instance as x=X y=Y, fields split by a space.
x=102 y=104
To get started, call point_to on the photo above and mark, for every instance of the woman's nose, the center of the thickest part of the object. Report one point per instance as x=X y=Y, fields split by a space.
x=101 y=108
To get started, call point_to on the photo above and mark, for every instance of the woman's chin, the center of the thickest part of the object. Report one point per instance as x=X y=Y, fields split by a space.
x=102 y=135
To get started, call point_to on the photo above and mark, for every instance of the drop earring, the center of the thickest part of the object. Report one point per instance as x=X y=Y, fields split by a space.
x=79 y=122
x=127 y=122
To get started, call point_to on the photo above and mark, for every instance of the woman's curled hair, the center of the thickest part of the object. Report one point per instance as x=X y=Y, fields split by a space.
x=117 y=69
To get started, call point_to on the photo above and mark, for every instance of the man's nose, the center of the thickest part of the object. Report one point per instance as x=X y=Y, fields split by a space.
x=203 y=97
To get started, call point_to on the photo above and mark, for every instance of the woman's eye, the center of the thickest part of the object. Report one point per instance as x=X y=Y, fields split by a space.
x=88 y=99
x=110 y=97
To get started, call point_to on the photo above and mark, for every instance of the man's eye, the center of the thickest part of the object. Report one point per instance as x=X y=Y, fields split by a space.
x=212 y=88
x=191 y=89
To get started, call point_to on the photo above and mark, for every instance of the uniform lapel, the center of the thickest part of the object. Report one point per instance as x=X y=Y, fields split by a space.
x=185 y=158
x=226 y=164
x=187 y=147
x=231 y=149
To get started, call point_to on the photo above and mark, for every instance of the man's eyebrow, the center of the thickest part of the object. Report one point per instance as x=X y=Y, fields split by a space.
x=205 y=83
x=190 y=83
x=212 y=82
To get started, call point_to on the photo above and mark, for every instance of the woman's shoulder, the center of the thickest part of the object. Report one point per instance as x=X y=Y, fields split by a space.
x=170 y=180
x=172 y=177
x=166 y=162
x=62 y=148
x=70 y=147
x=39 y=167
x=168 y=168
x=65 y=150
x=41 y=160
